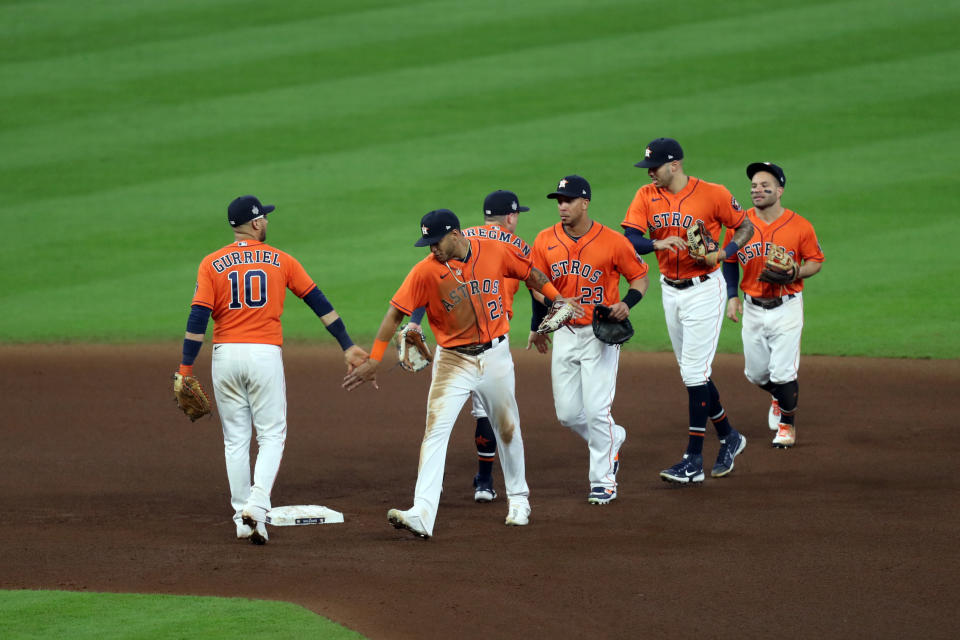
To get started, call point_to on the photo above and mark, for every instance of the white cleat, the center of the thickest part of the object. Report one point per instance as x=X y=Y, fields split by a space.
x=518 y=516
x=786 y=436
x=773 y=417
x=405 y=520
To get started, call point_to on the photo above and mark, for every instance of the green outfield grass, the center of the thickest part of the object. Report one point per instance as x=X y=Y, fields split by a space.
x=128 y=126
x=26 y=615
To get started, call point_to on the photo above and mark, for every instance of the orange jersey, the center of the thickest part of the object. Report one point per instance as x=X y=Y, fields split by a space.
x=464 y=299
x=659 y=213
x=244 y=284
x=793 y=233
x=589 y=268
x=495 y=232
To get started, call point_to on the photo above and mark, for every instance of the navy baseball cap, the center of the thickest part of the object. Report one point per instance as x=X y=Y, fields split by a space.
x=245 y=208
x=501 y=203
x=572 y=187
x=756 y=167
x=660 y=152
x=435 y=226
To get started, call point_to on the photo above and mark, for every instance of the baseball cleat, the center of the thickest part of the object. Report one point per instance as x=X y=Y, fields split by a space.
x=244 y=531
x=601 y=495
x=483 y=490
x=518 y=516
x=259 y=534
x=404 y=520
x=616 y=455
x=687 y=471
x=786 y=436
x=730 y=448
x=773 y=417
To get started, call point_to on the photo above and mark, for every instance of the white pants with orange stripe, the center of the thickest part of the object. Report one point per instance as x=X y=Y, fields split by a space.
x=490 y=375
x=771 y=341
x=583 y=371
x=250 y=389
x=694 y=316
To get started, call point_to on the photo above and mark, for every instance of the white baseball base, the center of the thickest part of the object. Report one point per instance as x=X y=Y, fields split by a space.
x=301 y=514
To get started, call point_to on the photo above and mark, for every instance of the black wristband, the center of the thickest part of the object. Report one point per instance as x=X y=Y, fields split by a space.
x=633 y=297
x=339 y=331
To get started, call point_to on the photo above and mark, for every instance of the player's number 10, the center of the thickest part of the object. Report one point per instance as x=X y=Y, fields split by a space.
x=254 y=289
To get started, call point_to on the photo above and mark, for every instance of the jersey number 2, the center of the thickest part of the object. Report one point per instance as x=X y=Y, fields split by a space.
x=254 y=289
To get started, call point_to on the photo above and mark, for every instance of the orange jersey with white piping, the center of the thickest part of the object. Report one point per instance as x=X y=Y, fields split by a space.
x=244 y=285
x=587 y=269
x=496 y=232
x=794 y=234
x=660 y=213
x=464 y=299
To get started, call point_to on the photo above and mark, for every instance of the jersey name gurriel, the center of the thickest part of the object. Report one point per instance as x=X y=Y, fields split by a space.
x=235 y=258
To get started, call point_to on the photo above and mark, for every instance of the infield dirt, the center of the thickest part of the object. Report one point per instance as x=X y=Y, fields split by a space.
x=107 y=487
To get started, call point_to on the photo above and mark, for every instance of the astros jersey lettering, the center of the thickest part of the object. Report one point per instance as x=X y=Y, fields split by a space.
x=659 y=213
x=464 y=300
x=792 y=232
x=589 y=268
x=244 y=285
x=495 y=232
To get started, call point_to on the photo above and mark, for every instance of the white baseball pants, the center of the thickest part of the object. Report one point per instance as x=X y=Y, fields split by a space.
x=771 y=341
x=490 y=376
x=694 y=317
x=583 y=371
x=250 y=389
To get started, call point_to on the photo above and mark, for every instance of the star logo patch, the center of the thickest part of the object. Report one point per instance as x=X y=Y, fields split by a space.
x=424 y=230
x=562 y=184
x=256 y=211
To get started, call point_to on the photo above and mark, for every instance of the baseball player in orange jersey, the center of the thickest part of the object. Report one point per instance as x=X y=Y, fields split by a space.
x=584 y=260
x=693 y=292
x=773 y=315
x=500 y=210
x=461 y=285
x=242 y=286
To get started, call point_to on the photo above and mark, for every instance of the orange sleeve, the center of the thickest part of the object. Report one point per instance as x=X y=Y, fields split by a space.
x=729 y=212
x=203 y=295
x=636 y=217
x=810 y=246
x=630 y=265
x=412 y=293
x=515 y=264
x=298 y=280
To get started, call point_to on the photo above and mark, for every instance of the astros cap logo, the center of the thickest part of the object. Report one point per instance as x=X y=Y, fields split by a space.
x=424 y=230
x=562 y=184
x=256 y=211
x=646 y=154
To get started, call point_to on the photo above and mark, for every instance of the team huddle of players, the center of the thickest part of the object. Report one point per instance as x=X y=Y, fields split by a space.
x=466 y=287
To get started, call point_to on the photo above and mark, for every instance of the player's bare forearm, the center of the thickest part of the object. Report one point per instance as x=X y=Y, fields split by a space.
x=198 y=337
x=743 y=233
x=536 y=280
x=391 y=320
x=641 y=284
x=808 y=269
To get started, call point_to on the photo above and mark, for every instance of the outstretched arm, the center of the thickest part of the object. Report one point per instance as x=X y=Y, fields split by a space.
x=367 y=372
x=741 y=236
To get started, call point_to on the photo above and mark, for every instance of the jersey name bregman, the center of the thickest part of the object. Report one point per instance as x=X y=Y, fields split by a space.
x=228 y=260
x=575 y=268
x=501 y=235
x=458 y=295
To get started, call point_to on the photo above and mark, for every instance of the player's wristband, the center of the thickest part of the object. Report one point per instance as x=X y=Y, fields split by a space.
x=339 y=331
x=185 y=370
x=550 y=292
x=190 y=350
x=633 y=297
x=731 y=249
x=379 y=347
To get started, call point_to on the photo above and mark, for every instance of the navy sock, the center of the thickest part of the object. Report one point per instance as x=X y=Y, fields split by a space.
x=699 y=398
x=486 y=447
x=717 y=413
x=768 y=386
x=787 y=395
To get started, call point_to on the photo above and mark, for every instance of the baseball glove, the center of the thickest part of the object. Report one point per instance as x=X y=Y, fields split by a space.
x=190 y=396
x=780 y=267
x=700 y=242
x=560 y=313
x=609 y=330
x=412 y=352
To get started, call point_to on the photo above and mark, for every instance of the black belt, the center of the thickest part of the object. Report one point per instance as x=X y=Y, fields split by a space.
x=771 y=303
x=683 y=284
x=477 y=349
